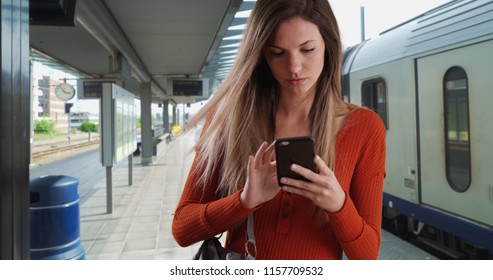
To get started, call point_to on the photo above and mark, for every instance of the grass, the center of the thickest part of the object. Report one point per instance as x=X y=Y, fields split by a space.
x=47 y=136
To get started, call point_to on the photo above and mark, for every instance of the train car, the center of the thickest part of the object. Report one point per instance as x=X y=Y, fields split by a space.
x=431 y=81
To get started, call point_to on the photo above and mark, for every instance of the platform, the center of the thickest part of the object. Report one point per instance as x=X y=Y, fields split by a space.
x=140 y=226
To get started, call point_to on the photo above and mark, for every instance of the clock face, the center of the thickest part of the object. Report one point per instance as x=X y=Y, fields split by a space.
x=64 y=92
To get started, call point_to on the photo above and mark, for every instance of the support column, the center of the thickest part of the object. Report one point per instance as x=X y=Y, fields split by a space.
x=146 y=123
x=166 y=116
x=15 y=124
x=175 y=115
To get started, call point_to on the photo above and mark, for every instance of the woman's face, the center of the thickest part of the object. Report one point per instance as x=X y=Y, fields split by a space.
x=295 y=55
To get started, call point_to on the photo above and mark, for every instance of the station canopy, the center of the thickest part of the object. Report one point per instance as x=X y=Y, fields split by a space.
x=147 y=41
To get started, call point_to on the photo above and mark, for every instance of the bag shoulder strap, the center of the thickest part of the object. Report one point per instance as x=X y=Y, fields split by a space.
x=250 y=244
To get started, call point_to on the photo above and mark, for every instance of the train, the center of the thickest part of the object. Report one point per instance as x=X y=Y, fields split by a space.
x=431 y=81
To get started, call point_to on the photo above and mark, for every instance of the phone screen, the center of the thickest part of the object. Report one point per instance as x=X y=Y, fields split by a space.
x=299 y=150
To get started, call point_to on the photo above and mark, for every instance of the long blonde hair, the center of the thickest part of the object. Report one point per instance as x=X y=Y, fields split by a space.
x=242 y=111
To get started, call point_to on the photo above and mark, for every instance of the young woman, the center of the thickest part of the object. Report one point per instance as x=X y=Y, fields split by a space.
x=286 y=83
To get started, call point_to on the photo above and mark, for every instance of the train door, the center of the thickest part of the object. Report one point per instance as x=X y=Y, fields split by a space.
x=455 y=92
x=388 y=90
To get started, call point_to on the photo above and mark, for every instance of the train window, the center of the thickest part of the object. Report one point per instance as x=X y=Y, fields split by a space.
x=374 y=96
x=457 y=144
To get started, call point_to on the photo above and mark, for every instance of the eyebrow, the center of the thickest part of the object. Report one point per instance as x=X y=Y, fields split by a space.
x=301 y=45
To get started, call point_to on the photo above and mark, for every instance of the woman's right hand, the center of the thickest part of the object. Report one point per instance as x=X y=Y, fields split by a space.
x=261 y=182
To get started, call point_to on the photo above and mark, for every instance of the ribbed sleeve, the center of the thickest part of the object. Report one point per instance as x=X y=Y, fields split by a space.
x=200 y=216
x=357 y=224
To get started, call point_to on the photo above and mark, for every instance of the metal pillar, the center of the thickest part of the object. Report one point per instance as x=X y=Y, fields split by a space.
x=175 y=115
x=15 y=118
x=362 y=15
x=146 y=123
x=166 y=117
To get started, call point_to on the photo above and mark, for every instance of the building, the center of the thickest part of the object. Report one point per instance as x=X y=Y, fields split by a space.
x=50 y=106
x=78 y=118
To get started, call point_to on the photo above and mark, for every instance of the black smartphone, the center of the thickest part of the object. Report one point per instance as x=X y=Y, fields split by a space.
x=299 y=150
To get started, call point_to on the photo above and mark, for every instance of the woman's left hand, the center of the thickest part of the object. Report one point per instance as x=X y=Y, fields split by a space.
x=324 y=189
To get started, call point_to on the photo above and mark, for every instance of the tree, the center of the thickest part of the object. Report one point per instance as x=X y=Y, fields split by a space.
x=44 y=126
x=88 y=127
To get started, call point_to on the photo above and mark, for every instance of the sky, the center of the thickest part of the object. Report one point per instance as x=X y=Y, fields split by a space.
x=380 y=15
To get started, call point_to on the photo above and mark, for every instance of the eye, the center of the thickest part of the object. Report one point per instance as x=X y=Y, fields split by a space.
x=308 y=50
x=276 y=53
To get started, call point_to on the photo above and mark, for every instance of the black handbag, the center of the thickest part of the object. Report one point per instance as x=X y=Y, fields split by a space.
x=211 y=249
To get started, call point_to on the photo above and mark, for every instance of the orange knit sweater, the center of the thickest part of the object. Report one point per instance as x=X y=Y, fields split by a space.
x=287 y=227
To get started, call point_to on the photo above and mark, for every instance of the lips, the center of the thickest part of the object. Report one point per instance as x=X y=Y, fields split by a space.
x=296 y=82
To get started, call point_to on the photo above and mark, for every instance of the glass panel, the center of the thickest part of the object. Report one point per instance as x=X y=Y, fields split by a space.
x=452 y=121
x=463 y=119
x=374 y=97
x=457 y=145
x=381 y=101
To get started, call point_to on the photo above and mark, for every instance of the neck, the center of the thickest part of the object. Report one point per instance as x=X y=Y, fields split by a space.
x=293 y=106
x=292 y=115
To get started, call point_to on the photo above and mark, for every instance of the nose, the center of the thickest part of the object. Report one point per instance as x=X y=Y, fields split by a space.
x=294 y=64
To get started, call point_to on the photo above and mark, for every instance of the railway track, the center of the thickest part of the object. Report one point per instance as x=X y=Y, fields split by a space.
x=58 y=149
x=49 y=152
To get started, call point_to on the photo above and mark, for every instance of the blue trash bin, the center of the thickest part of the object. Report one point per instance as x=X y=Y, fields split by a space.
x=54 y=218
